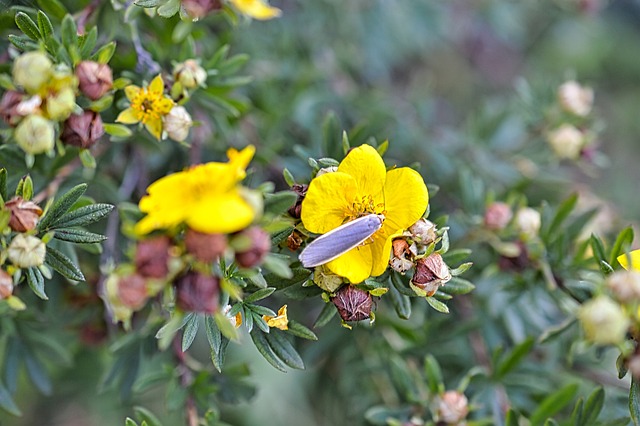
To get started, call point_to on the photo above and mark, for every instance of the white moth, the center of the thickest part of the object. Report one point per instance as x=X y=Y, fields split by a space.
x=340 y=240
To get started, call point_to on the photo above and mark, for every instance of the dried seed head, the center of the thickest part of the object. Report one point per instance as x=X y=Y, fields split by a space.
x=403 y=254
x=295 y=240
x=423 y=232
x=94 y=79
x=82 y=130
x=352 y=303
x=152 y=257
x=260 y=246
x=24 y=214
x=431 y=273
x=197 y=293
x=205 y=247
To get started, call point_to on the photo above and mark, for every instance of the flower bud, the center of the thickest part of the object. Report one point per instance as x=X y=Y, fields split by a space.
x=528 y=221
x=32 y=70
x=190 y=74
x=197 y=9
x=326 y=280
x=61 y=104
x=352 y=303
x=566 y=141
x=423 y=232
x=205 y=247
x=197 y=293
x=35 y=135
x=94 y=79
x=625 y=285
x=24 y=214
x=575 y=99
x=603 y=320
x=325 y=170
x=82 y=130
x=132 y=291
x=402 y=255
x=431 y=273
x=177 y=123
x=497 y=216
x=26 y=251
x=6 y=285
x=296 y=209
x=259 y=247
x=294 y=240
x=452 y=407
x=152 y=257
x=9 y=107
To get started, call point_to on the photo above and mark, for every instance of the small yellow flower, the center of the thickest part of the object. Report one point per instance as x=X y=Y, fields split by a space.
x=148 y=106
x=281 y=321
x=256 y=9
x=206 y=197
x=361 y=186
x=635 y=260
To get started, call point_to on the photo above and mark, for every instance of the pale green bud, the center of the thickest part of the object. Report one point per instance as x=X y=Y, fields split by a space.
x=566 y=141
x=528 y=221
x=32 y=70
x=61 y=105
x=177 y=123
x=35 y=134
x=190 y=74
x=26 y=251
x=603 y=320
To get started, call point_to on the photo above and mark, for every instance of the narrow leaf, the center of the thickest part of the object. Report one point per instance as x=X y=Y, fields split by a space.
x=190 y=331
x=36 y=282
x=261 y=343
x=634 y=401
x=593 y=406
x=514 y=357
x=401 y=303
x=61 y=206
x=68 y=32
x=259 y=295
x=3 y=184
x=82 y=216
x=554 y=403
x=78 y=236
x=279 y=202
x=284 y=349
x=61 y=263
x=623 y=241
x=300 y=330
x=564 y=210
x=325 y=316
x=6 y=401
x=44 y=24
x=53 y=8
x=433 y=374
x=27 y=26
x=437 y=305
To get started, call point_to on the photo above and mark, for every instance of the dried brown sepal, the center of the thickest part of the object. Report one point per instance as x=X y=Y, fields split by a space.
x=352 y=303
x=24 y=214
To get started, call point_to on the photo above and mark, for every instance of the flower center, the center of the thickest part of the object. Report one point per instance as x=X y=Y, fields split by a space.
x=146 y=106
x=362 y=207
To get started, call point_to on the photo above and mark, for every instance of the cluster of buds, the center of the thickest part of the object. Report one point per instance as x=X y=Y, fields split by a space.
x=44 y=100
x=414 y=251
x=570 y=135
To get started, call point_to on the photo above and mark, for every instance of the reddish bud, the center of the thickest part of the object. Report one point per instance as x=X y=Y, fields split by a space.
x=296 y=209
x=82 y=130
x=260 y=246
x=132 y=291
x=24 y=214
x=94 y=79
x=352 y=303
x=6 y=285
x=197 y=9
x=205 y=247
x=9 y=110
x=497 y=216
x=152 y=257
x=431 y=273
x=197 y=293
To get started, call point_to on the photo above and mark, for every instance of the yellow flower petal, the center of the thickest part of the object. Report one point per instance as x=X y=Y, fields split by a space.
x=281 y=321
x=128 y=116
x=355 y=265
x=365 y=165
x=256 y=9
x=131 y=91
x=156 y=87
x=241 y=159
x=635 y=260
x=154 y=126
x=406 y=198
x=381 y=251
x=221 y=215
x=164 y=105
x=327 y=202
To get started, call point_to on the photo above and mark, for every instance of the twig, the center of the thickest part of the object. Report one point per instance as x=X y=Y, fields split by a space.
x=186 y=378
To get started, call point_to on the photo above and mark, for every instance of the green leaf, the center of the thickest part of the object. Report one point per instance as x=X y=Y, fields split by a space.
x=82 y=216
x=554 y=403
x=261 y=343
x=259 y=295
x=325 y=316
x=279 y=202
x=299 y=275
x=227 y=329
x=564 y=210
x=36 y=282
x=514 y=357
x=61 y=263
x=284 y=350
x=37 y=373
x=512 y=418
x=147 y=416
x=129 y=422
x=166 y=333
x=21 y=42
x=260 y=310
x=217 y=342
x=300 y=330
x=103 y=55
x=401 y=303
x=190 y=331
x=331 y=134
x=433 y=374
x=87 y=159
x=346 y=146
x=576 y=414
x=78 y=236
x=27 y=26
x=437 y=305
x=169 y=9
x=6 y=401
x=117 y=130
x=53 y=8
x=69 y=33
x=634 y=401
x=623 y=241
x=288 y=177
x=88 y=42
x=3 y=184
x=277 y=265
x=147 y=3
x=593 y=407
x=598 y=248
x=45 y=26
x=383 y=147
x=554 y=331
x=61 y=206
x=458 y=285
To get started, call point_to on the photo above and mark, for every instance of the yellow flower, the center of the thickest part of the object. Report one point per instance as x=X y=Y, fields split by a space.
x=635 y=260
x=148 y=105
x=257 y=9
x=361 y=186
x=206 y=197
x=281 y=321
